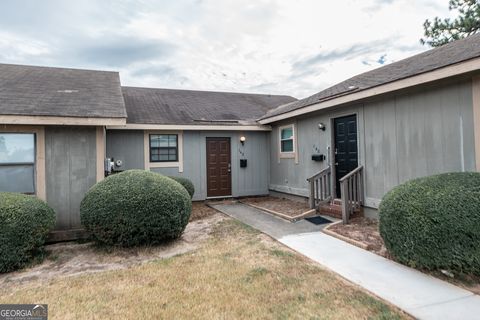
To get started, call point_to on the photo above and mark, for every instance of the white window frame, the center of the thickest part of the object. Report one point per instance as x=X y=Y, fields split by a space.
x=170 y=164
x=288 y=154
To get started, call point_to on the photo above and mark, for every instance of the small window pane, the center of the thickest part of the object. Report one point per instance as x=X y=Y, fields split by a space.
x=17 y=178
x=163 y=141
x=287 y=146
x=155 y=143
x=17 y=148
x=287 y=133
x=172 y=141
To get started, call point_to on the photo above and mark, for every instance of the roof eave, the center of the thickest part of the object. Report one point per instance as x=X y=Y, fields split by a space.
x=185 y=127
x=60 y=121
x=423 y=78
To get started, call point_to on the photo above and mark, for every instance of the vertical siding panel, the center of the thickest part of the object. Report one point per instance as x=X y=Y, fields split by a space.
x=389 y=145
x=450 y=130
x=70 y=171
x=467 y=115
x=374 y=154
x=434 y=129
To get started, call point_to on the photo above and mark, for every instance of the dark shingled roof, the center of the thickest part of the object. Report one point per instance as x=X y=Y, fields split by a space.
x=168 y=106
x=45 y=91
x=454 y=52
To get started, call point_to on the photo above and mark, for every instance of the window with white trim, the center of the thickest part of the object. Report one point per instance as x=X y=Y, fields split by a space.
x=17 y=162
x=287 y=139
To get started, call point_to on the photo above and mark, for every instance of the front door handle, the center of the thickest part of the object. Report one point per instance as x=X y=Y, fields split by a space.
x=229 y=167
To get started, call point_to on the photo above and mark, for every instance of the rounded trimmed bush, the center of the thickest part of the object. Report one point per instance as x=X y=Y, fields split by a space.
x=25 y=224
x=434 y=222
x=135 y=207
x=186 y=183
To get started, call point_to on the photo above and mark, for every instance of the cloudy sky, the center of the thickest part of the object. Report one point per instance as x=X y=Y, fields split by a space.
x=264 y=46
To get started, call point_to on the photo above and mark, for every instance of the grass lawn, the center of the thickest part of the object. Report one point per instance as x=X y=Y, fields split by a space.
x=236 y=273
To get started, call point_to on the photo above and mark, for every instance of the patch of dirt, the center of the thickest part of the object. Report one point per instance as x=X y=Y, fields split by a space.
x=363 y=230
x=201 y=211
x=71 y=258
x=286 y=206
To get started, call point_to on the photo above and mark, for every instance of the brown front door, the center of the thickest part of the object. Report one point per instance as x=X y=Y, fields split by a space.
x=219 y=175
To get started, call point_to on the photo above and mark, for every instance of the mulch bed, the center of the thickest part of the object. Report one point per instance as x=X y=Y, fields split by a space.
x=285 y=206
x=363 y=230
x=200 y=211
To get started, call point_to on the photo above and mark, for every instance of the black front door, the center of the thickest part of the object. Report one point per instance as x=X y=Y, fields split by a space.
x=346 y=149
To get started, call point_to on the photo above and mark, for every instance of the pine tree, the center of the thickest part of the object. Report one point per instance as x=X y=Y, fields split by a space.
x=441 y=31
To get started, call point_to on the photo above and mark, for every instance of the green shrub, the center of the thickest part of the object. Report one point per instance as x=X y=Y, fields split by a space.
x=25 y=224
x=135 y=207
x=186 y=183
x=434 y=222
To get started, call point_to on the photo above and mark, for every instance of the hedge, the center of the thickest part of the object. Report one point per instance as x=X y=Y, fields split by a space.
x=186 y=183
x=135 y=207
x=25 y=224
x=434 y=222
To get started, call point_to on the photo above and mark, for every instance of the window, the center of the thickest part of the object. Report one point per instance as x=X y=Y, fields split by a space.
x=163 y=148
x=287 y=139
x=17 y=162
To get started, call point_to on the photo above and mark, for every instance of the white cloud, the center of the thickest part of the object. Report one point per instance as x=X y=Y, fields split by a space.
x=267 y=46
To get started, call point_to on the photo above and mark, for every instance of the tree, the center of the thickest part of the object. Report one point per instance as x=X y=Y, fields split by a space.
x=441 y=31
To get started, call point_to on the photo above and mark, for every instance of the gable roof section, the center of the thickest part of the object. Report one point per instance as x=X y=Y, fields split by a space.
x=434 y=59
x=187 y=107
x=59 y=92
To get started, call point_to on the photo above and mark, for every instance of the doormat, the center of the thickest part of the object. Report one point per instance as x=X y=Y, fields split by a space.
x=318 y=220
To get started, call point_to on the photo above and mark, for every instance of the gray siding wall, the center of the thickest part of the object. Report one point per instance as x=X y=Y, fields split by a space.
x=290 y=177
x=401 y=137
x=126 y=145
x=418 y=135
x=70 y=171
x=253 y=180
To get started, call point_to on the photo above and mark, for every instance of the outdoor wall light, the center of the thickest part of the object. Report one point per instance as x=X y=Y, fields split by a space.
x=242 y=140
x=321 y=126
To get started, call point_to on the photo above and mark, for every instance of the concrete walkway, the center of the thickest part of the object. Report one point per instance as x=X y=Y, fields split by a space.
x=420 y=295
x=275 y=227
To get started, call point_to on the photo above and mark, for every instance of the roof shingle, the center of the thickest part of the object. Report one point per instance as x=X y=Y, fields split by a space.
x=449 y=54
x=60 y=92
x=169 y=106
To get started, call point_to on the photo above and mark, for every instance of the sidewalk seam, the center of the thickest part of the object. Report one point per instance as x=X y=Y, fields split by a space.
x=444 y=302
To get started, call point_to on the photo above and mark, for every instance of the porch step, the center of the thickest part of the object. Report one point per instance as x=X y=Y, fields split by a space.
x=337 y=201
x=334 y=209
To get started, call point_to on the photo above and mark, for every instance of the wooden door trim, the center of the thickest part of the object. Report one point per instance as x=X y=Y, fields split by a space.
x=333 y=154
x=207 y=161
